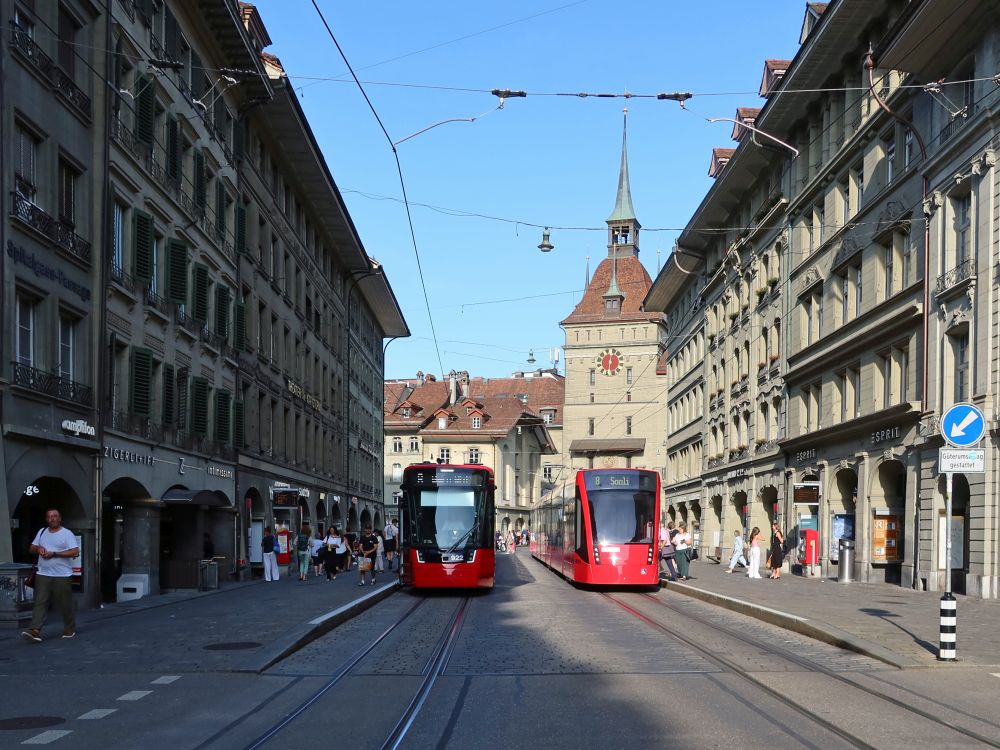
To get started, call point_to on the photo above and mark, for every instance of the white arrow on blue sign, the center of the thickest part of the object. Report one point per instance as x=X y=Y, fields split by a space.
x=963 y=425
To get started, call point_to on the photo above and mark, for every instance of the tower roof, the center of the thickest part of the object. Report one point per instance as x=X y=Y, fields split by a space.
x=623 y=205
x=633 y=283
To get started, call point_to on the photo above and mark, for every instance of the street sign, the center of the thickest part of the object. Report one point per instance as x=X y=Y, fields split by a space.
x=961 y=460
x=963 y=425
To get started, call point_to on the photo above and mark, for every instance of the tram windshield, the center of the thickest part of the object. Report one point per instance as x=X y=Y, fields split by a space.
x=622 y=507
x=447 y=505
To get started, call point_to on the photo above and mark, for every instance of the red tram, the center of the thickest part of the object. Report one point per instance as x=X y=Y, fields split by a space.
x=601 y=529
x=446 y=529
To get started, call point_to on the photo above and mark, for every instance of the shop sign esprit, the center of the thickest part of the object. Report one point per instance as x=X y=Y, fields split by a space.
x=888 y=433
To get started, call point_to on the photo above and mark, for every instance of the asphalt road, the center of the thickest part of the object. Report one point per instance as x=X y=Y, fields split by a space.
x=534 y=663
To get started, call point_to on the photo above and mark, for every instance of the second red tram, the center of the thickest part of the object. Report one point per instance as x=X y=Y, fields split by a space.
x=446 y=529
x=601 y=529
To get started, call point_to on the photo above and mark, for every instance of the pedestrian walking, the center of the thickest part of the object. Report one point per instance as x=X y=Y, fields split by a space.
x=302 y=550
x=667 y=553
x=56 y=547
x=682 y=545
x=350 y=551
x=738 y=555
x=511 y=543
x=379 y=553
x=368 y=546
x=391 y=535
x=777 y=553
x=335 y=547
x=269 y=551
x=315 y=553
x=754 y=571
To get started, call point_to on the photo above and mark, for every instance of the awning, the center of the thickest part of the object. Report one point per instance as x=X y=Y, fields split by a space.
x=195 y=497
x=607 y=445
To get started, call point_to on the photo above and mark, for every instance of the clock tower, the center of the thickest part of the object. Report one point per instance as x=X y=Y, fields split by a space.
x=615 y=353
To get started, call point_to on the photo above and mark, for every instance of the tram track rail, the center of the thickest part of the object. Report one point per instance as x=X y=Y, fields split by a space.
x=435 y=667
x=731 y=666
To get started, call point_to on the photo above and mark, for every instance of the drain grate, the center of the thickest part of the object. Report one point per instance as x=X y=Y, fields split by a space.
x=232 y=646
x=31 y=722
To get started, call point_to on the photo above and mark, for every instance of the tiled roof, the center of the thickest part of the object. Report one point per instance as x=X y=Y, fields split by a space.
x=747 y=113
x=633 y=280
x=773 y=65
x=426 y=397
x=819 y=8
x=661 y=363
x=542 y=392
x=500 y=417
x=720 y=157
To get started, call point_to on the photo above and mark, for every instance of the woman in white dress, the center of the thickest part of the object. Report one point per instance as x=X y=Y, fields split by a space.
x=754 y=571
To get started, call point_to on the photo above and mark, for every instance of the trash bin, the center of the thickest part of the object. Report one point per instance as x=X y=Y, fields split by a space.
x=845 y=564
x=208 y=575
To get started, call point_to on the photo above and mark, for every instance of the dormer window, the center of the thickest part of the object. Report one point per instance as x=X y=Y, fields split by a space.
x=547 y=416
x=477 y=422
x=407 y=412
x=442 y=423
x=468 y=410
x=611 y=304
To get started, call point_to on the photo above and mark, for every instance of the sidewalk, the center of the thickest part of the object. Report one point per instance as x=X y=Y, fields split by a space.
x=896 y=625
x=242 y=627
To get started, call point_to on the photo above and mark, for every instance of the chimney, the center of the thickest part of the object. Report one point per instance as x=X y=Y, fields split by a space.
x=452 y=388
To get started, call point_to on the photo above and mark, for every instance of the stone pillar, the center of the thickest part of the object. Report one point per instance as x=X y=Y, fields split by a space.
x=141 y=541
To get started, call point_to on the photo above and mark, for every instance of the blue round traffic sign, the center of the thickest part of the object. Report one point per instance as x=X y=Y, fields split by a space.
x=963 y=425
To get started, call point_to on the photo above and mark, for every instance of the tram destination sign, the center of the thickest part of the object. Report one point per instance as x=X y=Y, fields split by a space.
x=447 y=478
x=620 y=480
x=961 y=460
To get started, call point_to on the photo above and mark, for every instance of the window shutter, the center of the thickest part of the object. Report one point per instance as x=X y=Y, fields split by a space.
x=238 y=437
x=241 y=229
x=197 y=76
x=239 y=140
x=176 y=272
x=142 y=377
x=199 y=406
x=200 y=181
x=222 y=301
x=240 y=339
x=142 y=253
x=220 y=207
x=182 y=397
x=171 y=34
x=145 y=110
x=223 y=415
x=173 y=147
x=169 y=389
x=199 y=299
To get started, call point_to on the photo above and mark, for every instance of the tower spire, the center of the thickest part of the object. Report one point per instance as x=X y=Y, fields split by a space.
x=623 y=205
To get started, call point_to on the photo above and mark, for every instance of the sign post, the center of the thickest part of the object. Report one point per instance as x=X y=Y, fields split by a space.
x=962 y=426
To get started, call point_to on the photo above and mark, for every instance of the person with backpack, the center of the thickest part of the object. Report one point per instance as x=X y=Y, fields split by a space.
x=302 y=550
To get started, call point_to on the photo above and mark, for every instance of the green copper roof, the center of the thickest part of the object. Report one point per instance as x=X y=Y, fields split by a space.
x=623 y=206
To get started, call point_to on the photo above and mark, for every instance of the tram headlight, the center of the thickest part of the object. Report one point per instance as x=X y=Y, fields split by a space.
x=471 y=556
x=649 y=555
x=597 y=555
x=420 y=556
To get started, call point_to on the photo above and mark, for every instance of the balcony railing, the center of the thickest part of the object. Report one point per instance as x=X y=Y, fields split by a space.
x=60 y=80
x=133 y=424
x=957 y=123
x=122 y=279
x=716 y=461
x=52 y=384
x=963 y=271
x=154 y=300
x=56 y=231
x=124 y=136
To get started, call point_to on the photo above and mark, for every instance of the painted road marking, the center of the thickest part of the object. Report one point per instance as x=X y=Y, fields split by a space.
x=995 y=674
x=350 y=605
x=134 y=695
x=166 y=679
x=46 y=737
x=98 y=713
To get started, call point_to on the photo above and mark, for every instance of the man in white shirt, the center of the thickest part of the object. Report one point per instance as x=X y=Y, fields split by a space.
x=56 y=548
x=390 y=534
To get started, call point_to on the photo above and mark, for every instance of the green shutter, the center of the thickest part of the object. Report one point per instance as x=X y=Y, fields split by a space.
x=222 y=301
x=223 y=415
x=173 y=147
x=238 y=437
x=145 y=109
x=171 y=35
x=182 y=397
x=220 y=207
x=142 y=381
x=240 y=337
x=169 y=389
x=241 y=229
x=200 y=181
x=142 y=255
x=176 y=272
x=197 y=76
x=199 y=406
x=199 y=296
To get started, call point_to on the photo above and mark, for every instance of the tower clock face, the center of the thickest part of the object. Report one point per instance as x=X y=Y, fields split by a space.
x=610 y=362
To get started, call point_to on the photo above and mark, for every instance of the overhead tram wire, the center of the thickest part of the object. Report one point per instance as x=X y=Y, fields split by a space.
x=402 y=182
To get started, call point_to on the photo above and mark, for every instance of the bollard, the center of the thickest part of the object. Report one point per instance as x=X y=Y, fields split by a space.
x=949 y=628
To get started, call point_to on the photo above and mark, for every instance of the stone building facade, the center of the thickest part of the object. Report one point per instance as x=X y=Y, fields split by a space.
x=843 y=279
x=221 y=363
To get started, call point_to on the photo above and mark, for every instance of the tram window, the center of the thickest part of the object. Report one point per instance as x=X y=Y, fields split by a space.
x=621 y=516
x=445 y=516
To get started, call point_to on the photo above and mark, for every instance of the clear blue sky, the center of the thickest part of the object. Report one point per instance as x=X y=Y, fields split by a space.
x=542 y=159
